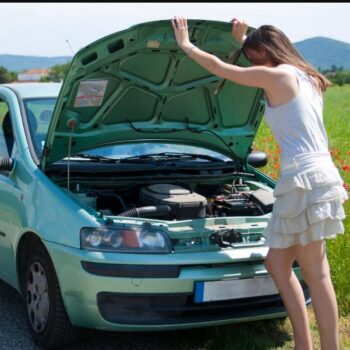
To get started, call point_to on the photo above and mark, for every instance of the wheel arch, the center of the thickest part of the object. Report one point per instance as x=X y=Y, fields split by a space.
x=28 y=240
x=59 y=330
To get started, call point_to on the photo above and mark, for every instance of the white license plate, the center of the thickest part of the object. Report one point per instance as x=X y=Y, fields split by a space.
x=234 y=289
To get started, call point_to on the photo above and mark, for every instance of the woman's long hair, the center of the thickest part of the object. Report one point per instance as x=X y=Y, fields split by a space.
x=280 y=50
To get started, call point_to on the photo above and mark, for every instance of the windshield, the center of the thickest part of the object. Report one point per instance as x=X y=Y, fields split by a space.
x=163 y=150
x=39 y=113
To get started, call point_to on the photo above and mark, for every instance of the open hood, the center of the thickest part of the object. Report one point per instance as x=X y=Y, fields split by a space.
x=137 y=85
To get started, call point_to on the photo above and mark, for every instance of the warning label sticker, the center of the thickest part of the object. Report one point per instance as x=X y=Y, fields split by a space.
x=90 y=93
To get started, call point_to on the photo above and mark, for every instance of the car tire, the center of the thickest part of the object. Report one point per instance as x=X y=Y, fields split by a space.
x=47 y=318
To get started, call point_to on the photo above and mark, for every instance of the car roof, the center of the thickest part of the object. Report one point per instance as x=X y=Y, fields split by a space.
x=34 y=90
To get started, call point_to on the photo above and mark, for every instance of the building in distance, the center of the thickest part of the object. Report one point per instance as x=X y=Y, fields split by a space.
x=32 y=75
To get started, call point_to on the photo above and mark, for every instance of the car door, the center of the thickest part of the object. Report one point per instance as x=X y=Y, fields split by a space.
x=10 y=198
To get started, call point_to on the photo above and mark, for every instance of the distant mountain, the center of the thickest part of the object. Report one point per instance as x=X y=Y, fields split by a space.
x=16 y=63
x=324 y=52
x=321 y=52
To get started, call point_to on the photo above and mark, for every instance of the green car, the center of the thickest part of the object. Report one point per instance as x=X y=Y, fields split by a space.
x=130 y=198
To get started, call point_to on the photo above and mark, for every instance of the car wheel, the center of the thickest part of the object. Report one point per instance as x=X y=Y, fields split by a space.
x=47 y=319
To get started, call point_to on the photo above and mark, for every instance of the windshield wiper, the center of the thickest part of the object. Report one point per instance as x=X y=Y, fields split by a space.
x=166 y=156
x=93 y=158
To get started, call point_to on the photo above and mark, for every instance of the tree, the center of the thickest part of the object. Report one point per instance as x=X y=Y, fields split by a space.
x=6 y=76
x=57 y=73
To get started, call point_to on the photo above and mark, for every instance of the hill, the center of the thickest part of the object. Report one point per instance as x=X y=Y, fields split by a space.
x=17 y=63
x=324 y=52
x=321 y=52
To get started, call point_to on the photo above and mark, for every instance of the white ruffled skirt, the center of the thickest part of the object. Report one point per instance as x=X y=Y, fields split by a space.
x=309 y=202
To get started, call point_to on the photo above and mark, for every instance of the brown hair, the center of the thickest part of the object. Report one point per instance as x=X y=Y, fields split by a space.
x=280 y=50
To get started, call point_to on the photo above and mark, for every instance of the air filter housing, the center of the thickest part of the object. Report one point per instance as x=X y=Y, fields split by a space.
x=184 y=204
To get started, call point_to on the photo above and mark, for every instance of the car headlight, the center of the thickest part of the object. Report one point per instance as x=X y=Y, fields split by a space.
x=125 y=238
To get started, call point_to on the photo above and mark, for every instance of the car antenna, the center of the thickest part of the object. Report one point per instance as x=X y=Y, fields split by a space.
x=70 y=47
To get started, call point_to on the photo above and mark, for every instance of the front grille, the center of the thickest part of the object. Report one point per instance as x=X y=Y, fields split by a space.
x=136 y=271
x=151 y=309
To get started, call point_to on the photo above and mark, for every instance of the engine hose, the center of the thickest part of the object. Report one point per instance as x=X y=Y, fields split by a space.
x=149 y=211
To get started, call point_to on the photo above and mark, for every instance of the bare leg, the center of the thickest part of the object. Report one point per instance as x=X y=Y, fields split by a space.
x=279 y=264
x=314 y=265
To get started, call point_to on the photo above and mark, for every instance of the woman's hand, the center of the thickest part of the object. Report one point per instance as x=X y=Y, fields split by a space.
x=181 y=33
x=239 y=30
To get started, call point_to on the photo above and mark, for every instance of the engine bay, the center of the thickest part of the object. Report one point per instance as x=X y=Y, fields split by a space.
x=179 y=201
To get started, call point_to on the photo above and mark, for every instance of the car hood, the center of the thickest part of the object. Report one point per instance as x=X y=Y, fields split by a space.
x=137 y=85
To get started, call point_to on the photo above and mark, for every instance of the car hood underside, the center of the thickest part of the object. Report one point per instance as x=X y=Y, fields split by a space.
x=137 y=85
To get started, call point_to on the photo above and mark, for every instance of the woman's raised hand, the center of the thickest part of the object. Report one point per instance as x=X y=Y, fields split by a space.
x=239 y=30
x=181 y=32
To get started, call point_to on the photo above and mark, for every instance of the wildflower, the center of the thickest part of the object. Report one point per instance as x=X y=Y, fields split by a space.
x=346 y=186
x=345 y=167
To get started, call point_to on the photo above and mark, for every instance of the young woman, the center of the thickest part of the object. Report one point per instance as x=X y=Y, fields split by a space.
x=309 y=194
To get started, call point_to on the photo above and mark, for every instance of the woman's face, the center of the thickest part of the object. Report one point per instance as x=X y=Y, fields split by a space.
x=258 y=58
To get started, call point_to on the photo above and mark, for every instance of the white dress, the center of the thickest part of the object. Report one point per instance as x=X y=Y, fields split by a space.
x=310 y=193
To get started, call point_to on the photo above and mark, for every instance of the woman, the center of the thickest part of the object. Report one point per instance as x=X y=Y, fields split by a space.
x=309 y=194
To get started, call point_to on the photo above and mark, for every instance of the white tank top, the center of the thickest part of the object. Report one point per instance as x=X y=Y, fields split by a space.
x=298 y=124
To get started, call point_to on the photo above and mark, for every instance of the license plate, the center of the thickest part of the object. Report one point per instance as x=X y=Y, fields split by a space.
x=234 y=289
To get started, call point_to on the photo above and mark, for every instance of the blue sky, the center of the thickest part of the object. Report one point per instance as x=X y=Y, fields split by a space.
x=42 y=29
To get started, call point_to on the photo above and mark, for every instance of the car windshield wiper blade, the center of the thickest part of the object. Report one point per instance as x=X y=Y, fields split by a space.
x=93 y=157
x=166 y=156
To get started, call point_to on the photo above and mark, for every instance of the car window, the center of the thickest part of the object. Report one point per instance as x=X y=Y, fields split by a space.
x=39 y=113
x=6 y=132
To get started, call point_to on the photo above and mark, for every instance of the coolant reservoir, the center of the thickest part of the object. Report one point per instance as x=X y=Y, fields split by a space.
x=86 y=198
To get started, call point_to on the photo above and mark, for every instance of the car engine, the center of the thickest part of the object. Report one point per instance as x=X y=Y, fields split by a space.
x=168 y=201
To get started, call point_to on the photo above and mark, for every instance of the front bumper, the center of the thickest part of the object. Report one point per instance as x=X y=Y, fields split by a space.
x=104 y=291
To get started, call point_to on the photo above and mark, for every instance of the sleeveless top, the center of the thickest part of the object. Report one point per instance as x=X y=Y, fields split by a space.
x=309 y=193
x=298 y=124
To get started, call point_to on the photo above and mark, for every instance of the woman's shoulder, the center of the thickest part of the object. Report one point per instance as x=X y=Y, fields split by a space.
x=293 y=69
x=289 y=68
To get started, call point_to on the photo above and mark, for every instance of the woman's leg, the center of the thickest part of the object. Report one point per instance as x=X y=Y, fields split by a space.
x=279 y=264
x=314 y=265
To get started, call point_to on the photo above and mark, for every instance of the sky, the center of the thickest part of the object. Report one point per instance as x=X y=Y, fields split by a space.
x=59 y=29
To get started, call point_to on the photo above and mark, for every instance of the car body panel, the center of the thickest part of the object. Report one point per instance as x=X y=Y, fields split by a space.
x=81 y=302
x=23 y=193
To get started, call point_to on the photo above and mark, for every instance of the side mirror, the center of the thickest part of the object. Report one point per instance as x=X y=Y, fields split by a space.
x=6 y=164
x=257 y=159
